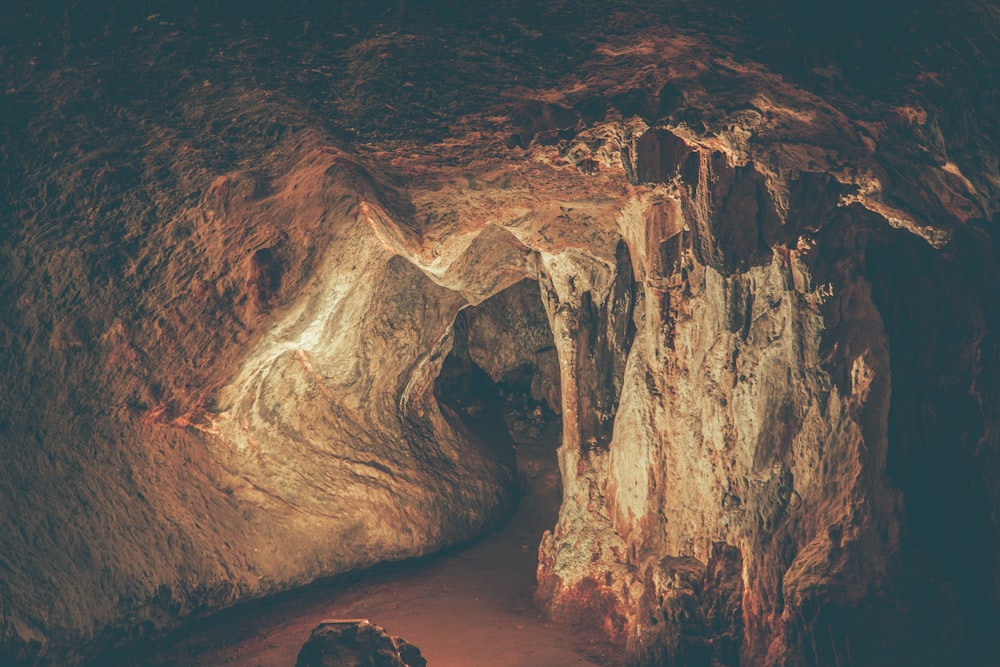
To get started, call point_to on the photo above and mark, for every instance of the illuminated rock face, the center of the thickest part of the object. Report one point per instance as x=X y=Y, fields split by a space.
x=767 y=324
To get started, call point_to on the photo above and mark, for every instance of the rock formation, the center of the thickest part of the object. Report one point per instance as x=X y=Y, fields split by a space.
x=239 y=249
x=356 y=644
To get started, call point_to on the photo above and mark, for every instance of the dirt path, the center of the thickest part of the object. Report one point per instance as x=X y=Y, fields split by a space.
x=467 y=608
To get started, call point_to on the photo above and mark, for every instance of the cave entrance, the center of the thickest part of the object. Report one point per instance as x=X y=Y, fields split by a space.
x=500 y=382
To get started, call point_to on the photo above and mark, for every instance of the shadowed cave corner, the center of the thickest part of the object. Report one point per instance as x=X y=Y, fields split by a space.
x=500 y=383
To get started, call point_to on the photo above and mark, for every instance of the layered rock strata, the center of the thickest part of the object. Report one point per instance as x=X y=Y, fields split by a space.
x=772 y=306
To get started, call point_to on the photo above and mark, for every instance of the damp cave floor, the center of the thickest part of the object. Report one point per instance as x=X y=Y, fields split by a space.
x=467 y=607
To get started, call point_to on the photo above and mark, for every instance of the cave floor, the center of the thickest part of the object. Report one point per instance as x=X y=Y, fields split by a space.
x=469 y=607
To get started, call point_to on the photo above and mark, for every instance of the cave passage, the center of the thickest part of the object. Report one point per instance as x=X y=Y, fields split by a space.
x=500 y=382
x=499 y=385
x=465 y=606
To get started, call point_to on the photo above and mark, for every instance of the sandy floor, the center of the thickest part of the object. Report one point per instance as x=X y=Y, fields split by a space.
x=467 y=608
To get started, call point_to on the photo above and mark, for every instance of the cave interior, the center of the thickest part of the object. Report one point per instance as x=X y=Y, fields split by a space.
x=687 y=313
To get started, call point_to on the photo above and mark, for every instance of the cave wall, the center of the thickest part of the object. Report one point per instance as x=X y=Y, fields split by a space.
x=733 y=441
x=509 y=335
x=171 y=491
x=771 y=285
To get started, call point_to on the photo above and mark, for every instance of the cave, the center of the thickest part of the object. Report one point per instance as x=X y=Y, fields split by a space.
x=670 y=333
x=501 y=378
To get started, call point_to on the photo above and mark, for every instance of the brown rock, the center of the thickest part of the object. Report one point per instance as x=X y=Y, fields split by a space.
x=356 y=644
x=760 y=251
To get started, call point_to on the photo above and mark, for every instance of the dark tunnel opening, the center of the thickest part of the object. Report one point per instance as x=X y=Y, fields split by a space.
x=500 y=382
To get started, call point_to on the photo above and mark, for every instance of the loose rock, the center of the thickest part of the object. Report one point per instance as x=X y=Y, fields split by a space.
x=356 y=643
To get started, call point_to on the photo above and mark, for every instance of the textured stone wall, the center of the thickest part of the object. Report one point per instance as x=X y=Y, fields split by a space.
x=234 y=247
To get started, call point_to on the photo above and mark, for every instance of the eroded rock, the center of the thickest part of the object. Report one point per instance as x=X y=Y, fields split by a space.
x=356 y=644
x=769 y=287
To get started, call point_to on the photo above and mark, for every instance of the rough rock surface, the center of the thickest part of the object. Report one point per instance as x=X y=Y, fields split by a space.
x=356 y=644
x=234 y=247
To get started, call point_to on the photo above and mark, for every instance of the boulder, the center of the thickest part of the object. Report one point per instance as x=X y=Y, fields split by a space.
x=356 y=643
